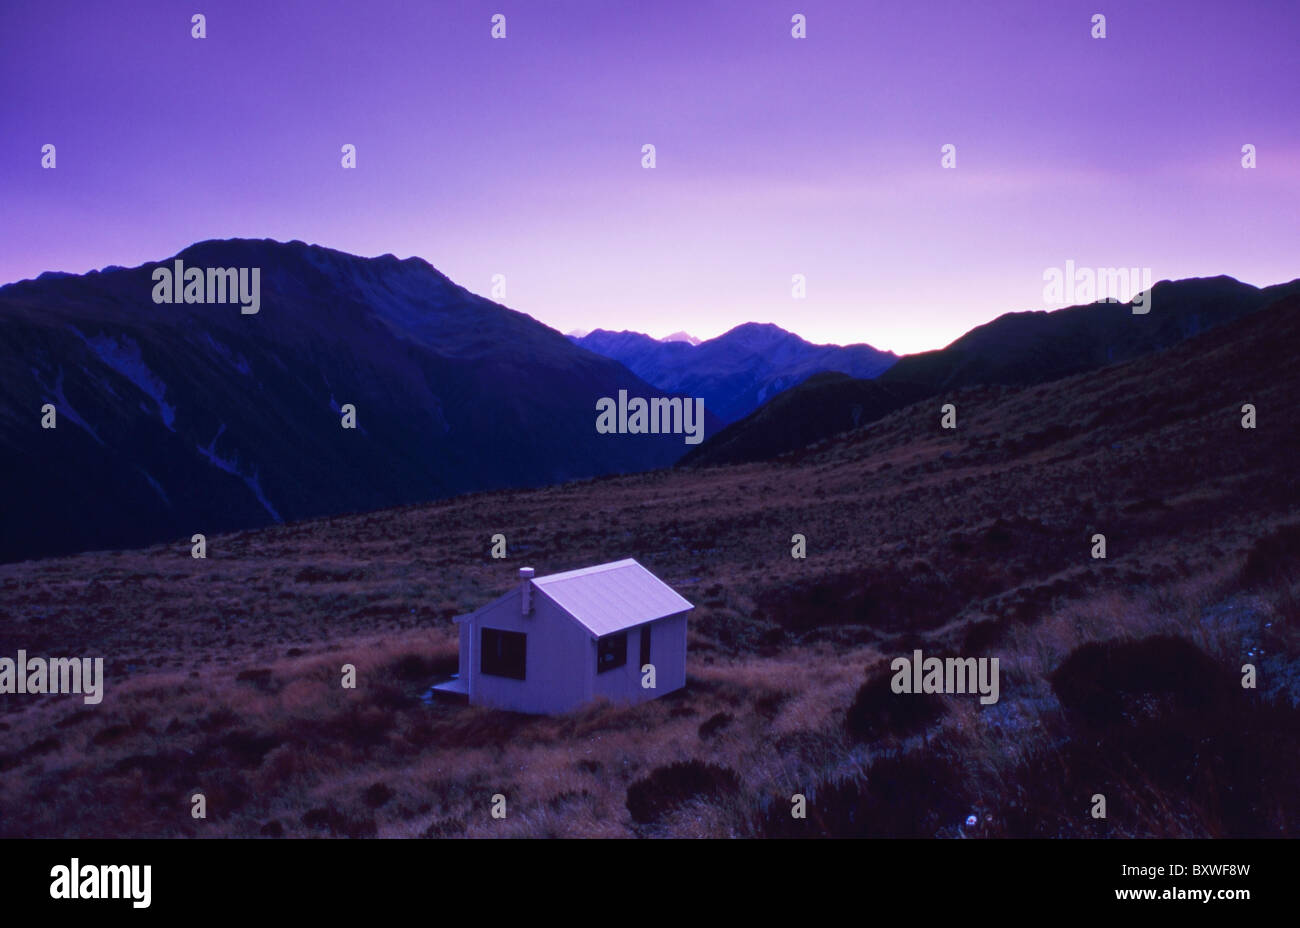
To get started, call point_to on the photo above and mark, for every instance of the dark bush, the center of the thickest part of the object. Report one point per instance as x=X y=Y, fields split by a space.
x=666 y=788
x=246 y=748
x=1227 y=769
x=1162 y=724
x=902 y=796
x=340 y=824
x=1274 y=559
x=259 y=677
x=878 y=712
x=109 y=734
x=981 y=636
x=414 y=667
x=769 y=704
x=1104 y=683
x=715 y=723
x=445 y=828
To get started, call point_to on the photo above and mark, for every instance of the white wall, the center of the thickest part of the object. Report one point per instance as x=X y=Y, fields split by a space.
x=468 y=653
x=667 y=653
x=554 y=659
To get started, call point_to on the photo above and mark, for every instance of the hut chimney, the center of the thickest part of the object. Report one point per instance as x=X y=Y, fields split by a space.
x=526 y=589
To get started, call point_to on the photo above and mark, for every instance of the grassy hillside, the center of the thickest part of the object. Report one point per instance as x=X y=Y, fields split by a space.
x=1119 y=676
x=1020 y=349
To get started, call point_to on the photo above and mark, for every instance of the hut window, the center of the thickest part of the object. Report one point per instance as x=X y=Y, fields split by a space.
x=503 y=653
x=611 y=652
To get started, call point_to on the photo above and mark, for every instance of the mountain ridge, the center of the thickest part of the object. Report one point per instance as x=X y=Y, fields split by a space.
x=181 y=418
x=1014 y=349
x=736 y=371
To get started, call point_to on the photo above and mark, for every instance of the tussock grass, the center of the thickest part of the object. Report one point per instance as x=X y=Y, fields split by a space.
x=223 y=675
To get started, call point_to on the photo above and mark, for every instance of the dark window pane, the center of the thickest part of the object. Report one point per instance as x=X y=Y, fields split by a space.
x=645 y=646
x=611 y=652
x=502 y=653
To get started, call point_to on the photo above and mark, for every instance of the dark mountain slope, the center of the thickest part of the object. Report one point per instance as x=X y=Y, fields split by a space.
x=1016 y=349
x=821 y=406
x=175 y=419
x=1033 y=347
x=738 y=370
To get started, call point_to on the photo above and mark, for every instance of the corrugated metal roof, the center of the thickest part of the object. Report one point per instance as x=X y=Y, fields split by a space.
x=610 y=598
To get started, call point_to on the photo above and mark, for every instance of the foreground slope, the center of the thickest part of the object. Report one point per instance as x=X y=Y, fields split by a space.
x=224 y=674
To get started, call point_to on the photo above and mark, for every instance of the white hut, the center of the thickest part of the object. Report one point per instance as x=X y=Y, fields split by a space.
x=554 y=643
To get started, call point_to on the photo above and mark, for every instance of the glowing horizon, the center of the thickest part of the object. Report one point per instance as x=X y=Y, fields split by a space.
x=775 y=156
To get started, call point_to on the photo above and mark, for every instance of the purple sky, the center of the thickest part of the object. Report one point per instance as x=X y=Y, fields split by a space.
x=776 y=156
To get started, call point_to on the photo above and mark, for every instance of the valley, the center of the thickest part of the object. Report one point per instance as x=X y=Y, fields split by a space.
x=221 y=675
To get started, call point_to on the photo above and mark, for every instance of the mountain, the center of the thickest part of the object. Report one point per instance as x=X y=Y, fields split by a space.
x=974 y=543
x=1034 y=347
x=180 y=418
x=1016 y=349
x=681 y=337
x=823 y=405
x=737 y=371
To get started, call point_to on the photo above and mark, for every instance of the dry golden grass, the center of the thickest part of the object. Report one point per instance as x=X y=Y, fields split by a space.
x=223 y=675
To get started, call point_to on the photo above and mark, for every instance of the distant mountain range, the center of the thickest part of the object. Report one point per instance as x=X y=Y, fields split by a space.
x=675 y=337
x=1016 y=349
x=182 y=418
x=681 y=337
x=739 y=370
